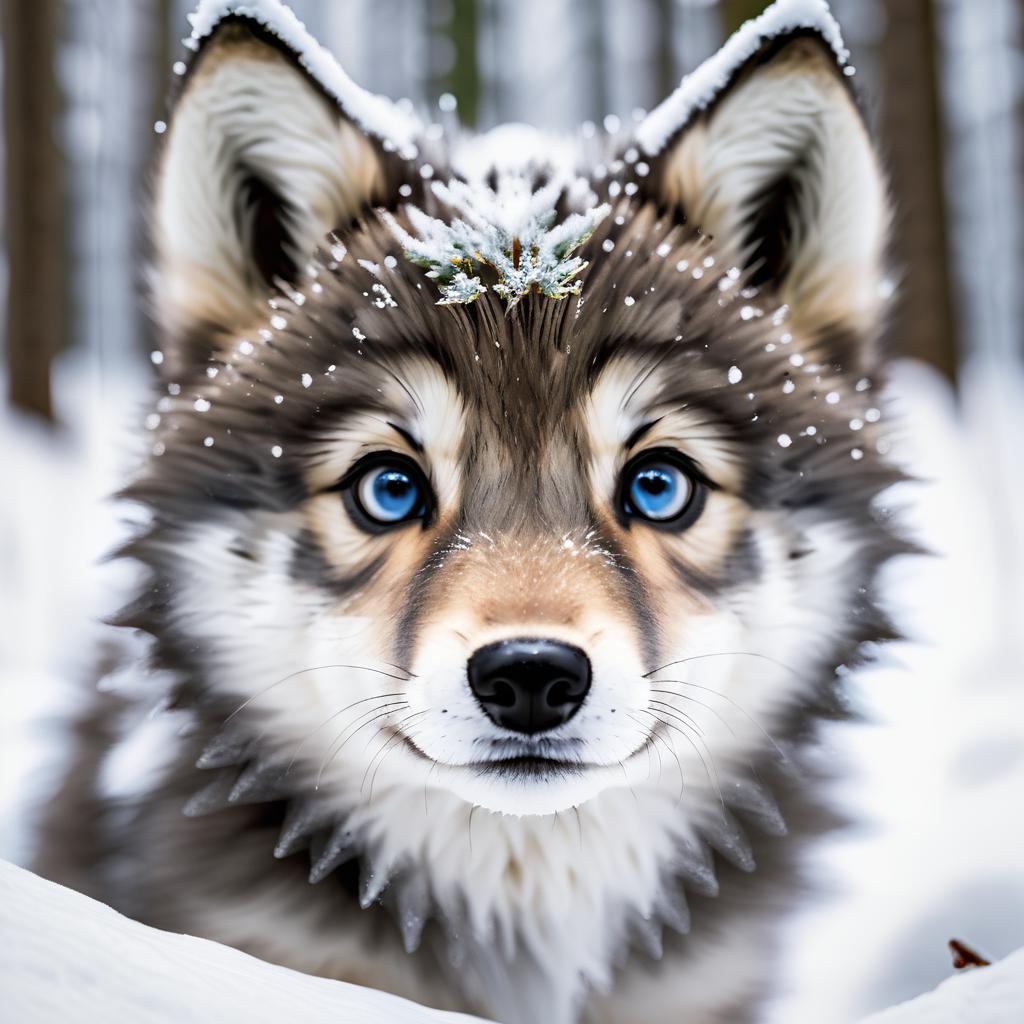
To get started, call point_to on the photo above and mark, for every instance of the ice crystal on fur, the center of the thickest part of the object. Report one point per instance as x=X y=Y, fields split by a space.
x=413 y=906
x=329 y=854
x=723 y=833
x=301 y=822
x=224 y=750
x=510 y=230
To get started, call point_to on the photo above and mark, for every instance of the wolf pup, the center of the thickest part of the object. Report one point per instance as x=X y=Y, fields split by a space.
x=511 y=520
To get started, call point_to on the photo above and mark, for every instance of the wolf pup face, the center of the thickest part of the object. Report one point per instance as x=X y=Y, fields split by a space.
x=534 y=486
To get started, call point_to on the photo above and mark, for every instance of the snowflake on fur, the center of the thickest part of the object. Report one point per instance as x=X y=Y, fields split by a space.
x=510 y=230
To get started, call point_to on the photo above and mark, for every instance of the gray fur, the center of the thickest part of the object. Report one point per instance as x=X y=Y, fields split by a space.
x=235 y=817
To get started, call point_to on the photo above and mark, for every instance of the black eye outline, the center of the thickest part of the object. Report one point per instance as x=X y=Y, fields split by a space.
x=348 y=486
x=691 y=510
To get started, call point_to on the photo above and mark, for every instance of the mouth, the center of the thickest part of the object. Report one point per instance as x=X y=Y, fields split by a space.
x=507 y=779
x=518 y=767
x=530 y=767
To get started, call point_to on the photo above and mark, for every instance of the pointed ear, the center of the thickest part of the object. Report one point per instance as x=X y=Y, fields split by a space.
x=262 y=159
x=764 y=149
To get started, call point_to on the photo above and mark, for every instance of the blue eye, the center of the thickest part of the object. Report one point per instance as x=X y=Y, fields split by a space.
x=657 y=490
x=390 y=494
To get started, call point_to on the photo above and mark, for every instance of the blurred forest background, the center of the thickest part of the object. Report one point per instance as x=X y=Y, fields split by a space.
x=85 y=81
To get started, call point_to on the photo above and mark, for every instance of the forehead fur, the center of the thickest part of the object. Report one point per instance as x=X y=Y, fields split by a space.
x=695 y=335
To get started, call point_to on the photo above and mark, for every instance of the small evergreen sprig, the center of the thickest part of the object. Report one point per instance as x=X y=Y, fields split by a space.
x=511 y=230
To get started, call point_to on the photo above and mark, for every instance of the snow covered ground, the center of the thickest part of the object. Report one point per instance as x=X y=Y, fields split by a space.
x=991 y=995
x=934 y=775
x=70 y=958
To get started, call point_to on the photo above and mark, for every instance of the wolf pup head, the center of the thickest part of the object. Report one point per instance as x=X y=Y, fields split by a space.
x=521 y=484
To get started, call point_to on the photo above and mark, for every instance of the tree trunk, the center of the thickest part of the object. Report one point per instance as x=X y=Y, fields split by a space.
x=924 y=324
x=464 y=80
x=161 y=23
x=1019 y=197
x=36 y=321
x=597 y=59
x=666 y=76
x=735 y=12
x=453 y=29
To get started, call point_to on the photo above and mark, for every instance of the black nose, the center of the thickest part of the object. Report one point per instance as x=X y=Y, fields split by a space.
x=529 y=685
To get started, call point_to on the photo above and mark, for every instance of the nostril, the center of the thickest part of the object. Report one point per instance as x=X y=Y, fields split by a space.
x=559 y=693
x=528 y=685
x=503 y=693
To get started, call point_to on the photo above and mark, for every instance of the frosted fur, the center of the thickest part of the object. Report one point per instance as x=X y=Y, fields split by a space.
x=483 y=870
x=700 y=88
x=375 y=114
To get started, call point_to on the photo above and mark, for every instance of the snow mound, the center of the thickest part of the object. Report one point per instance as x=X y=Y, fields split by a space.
x=979 y=995
x=67 y=957
x=375 y=114
x=700 y=88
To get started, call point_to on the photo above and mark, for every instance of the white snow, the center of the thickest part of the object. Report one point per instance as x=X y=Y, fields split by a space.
x=977 y=995
x=700 y=88
x=67 y=957
x=388 y=121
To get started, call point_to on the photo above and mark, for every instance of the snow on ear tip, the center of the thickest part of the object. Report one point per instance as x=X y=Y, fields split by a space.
x=397 y=128
x=763 y=146
x=699 y=90
x=269 y=148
